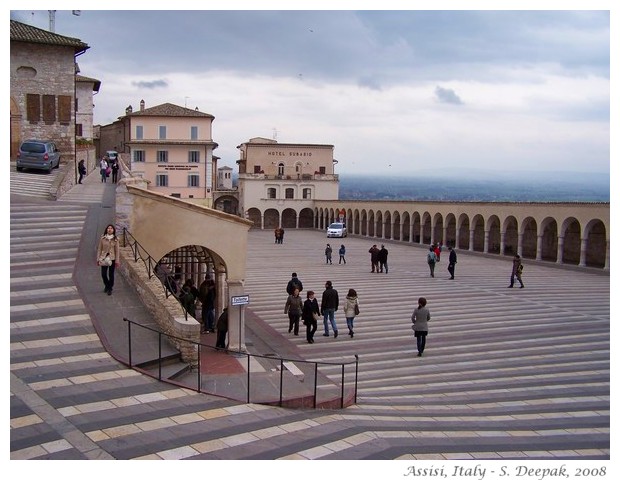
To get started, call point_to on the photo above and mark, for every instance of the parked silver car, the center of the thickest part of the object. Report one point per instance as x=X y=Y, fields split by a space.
x=38 y=154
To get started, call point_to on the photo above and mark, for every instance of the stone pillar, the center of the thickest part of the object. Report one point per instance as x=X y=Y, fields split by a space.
x=606 y=267
x=539 y=242
x=471 y=240
x=444 y=235
x=421 y=241
x=560 y=250
x=502 y=239
x=582 y=253
x=236 y=318
x=457 y=240
x=411 y=231
x=520 y=244
x=486 y=242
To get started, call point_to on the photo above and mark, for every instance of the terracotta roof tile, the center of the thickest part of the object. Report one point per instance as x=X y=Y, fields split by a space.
x=170 y=110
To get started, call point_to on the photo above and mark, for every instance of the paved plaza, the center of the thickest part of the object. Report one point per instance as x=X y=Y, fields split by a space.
x=507 y=373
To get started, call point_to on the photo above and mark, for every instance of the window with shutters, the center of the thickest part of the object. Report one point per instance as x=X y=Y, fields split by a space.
x=49 y=108
x=33 y=107
x=161 y=180
x=193 y=180
x=64 y=108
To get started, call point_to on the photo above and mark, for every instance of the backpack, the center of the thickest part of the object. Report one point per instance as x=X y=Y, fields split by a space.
x=431 y=257
x=520 y=269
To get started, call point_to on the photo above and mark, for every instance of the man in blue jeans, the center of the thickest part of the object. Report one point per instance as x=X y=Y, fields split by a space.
x=329 y=305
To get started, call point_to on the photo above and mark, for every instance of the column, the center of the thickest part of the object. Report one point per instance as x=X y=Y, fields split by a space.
x=582 y=253
x=411 y=231
x=539 y=243
x=444 y=235
x=560 y=250
x=421 y=241
x=502 y=239
x=606 y=267
x=236 y=318
x=520 y=244
x=486 y=242
x=471 y=240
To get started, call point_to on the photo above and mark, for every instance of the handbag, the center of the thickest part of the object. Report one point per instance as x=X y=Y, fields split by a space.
x=105 y=261
x=356 y=309
x=315 y=316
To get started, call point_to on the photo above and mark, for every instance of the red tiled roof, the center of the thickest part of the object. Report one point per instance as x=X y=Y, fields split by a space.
x=170 y=110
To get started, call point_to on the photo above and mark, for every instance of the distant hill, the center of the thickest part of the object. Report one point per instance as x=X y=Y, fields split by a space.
x=540 y=187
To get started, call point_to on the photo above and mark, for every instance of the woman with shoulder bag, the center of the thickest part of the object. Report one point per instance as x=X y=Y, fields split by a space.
x=310 y=314
x=107 y=257
x=351 y=309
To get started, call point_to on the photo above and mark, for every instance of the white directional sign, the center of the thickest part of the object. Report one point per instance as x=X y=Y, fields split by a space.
x=239 y=300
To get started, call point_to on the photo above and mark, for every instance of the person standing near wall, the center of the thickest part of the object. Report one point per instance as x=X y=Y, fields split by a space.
x=81 y=171
x=222 y=329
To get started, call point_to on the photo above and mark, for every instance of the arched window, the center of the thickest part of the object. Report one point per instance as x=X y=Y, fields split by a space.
x=280 y=169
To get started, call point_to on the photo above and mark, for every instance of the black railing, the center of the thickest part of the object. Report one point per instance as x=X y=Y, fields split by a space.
x=234 y=388
x=154 y=268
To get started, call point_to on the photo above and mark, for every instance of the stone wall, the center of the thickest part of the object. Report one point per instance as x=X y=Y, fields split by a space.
x=166 y=312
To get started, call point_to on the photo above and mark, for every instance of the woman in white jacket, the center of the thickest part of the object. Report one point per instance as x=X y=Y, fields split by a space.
x=351 y=309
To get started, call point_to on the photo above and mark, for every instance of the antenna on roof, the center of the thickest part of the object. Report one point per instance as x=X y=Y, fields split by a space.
x=275 y=134
x=52 y=16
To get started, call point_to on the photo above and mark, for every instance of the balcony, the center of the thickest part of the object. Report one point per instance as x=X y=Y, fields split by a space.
x=304 y=177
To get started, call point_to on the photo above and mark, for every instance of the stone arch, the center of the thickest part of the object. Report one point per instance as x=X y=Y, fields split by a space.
x=495 y=237
x=387 y=225
x=438 y=228
x=477 y=224
x=549 y=239
x=349 y=221
x=596 y=251
x=271 y=219
x=379 y=224
x=426 y=228
x=571 y=231
x=289 y=218
x=363 y=223
x=371 y=223
x=511 y=235
x=529 y=238
x=396 y=226
x=417 y=227
x=227 y=204
x=406 y=227
x=254 y=216
x=306 y=218
x=450 y=240
x=463 y=231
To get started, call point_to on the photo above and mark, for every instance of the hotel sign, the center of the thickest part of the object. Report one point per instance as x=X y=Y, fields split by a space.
x=290 y=154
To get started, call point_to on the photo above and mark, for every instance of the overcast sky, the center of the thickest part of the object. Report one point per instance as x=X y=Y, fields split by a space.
x=393 y=91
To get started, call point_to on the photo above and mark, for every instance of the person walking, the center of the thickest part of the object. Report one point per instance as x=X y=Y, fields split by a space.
x=328 y=254
x=420 y=318
x=329 y=305
x=115 y=166
x=188 y=297
x=351 y=309
x=517 y=270
x=374 y=259
x=451 y=262
x=206 y=294
x=103 y=170
x=310 y=315
x=438 y=252
x=222 y=329
x=108 y=257
x=382 y=257
x=294 y=283
x=293 y=308
x=81 y=171
x=430 y=259
x=342 y=252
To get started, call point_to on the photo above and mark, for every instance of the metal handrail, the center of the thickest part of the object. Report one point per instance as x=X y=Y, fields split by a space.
x=249 y=356
x=151 y=266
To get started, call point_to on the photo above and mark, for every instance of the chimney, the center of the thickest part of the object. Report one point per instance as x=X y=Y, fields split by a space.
x=142 y=105
x=128 y=110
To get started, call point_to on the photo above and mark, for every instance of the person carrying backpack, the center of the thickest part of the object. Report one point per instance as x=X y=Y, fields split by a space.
x=431 y=258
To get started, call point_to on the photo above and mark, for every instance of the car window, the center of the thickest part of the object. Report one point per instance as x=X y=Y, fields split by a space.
x=33 y=147
x=336 y=225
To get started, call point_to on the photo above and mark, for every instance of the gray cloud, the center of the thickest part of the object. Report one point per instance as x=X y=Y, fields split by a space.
x=151 y=84
x=447 y=95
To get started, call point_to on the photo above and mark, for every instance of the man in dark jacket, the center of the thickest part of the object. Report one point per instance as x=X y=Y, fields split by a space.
x=329 y=305
x=374 y=259
x=382 y=257
x=451 y=262
x=222 y=329
x=294 y=283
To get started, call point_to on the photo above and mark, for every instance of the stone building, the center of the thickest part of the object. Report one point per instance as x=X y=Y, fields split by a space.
x=85 y=88
x=43 y=87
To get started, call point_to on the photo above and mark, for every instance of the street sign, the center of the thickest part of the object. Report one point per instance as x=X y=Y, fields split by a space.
x=239 y=300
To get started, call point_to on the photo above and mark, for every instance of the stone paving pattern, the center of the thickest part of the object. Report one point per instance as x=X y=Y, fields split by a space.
x=507 y=373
